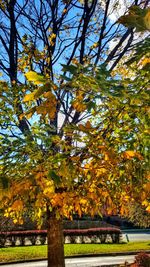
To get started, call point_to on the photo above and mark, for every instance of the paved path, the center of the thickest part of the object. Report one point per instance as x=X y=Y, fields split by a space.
x=137 y=235
x=98 y=261
x=80 y=262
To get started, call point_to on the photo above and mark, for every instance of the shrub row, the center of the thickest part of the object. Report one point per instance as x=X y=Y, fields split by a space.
x=107 y=230
x=94 y=233
x=12 y=237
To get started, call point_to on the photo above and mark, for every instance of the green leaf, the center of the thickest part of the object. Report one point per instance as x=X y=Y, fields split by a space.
x=137 y=18
x=91 y=105
x=71 y=68
x=52 y=175
x=65 y=78
x=4 y=182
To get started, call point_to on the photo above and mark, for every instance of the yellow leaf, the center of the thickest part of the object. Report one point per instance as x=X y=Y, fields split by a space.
x=29 y=115
x=21 y=116
x=122 y=210
x=52 y=39
x=106 y=156
x=95 y=45
x=148 y=176
x=83 y=201
x=17 y=205
x=75 y=61
x=29 y=97
x=131 y=154
x=148 y=208
x=75 y=158
x=52 y=113
x=15 y=220
x=92 y=189
x=80 y=107
x=101 y=171
x=55 y=87
x=147 y=20
x=56 y=139
x=147 y=187
x=65 y=11
x=145 y=203
x=143 y=195
x=34 y=77
x=144 y=61
x=6 y=214
x=48 y=106
x=48 y=187
x=20 y=221
x=39 y=213
x=48 y=94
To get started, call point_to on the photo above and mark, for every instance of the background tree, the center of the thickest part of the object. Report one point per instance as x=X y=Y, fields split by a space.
x=65 y=148
x=138 y=215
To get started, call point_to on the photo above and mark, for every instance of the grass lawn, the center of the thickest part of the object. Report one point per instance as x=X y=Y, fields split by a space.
x=37 y=252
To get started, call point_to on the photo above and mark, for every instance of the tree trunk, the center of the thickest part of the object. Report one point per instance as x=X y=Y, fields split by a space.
x=55 y=241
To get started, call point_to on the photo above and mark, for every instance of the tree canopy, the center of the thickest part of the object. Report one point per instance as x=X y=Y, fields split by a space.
x=99 y=162
x=74 y=109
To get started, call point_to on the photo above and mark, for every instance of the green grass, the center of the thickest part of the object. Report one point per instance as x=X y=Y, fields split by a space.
x=37 y=252
x=22 y=253
x=74 y=249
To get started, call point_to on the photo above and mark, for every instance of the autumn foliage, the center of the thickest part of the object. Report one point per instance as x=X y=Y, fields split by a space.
x=74 y=136
x=96 y=166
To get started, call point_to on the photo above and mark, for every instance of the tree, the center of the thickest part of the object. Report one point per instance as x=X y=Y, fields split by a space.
x=136 y=212
x=62 y=128
x=138 y=215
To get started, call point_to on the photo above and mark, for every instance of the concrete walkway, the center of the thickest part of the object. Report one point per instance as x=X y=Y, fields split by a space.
x=96 y=261
x=137 y=235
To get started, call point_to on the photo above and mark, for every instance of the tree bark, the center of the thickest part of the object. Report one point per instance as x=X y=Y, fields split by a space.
x=55 y=239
